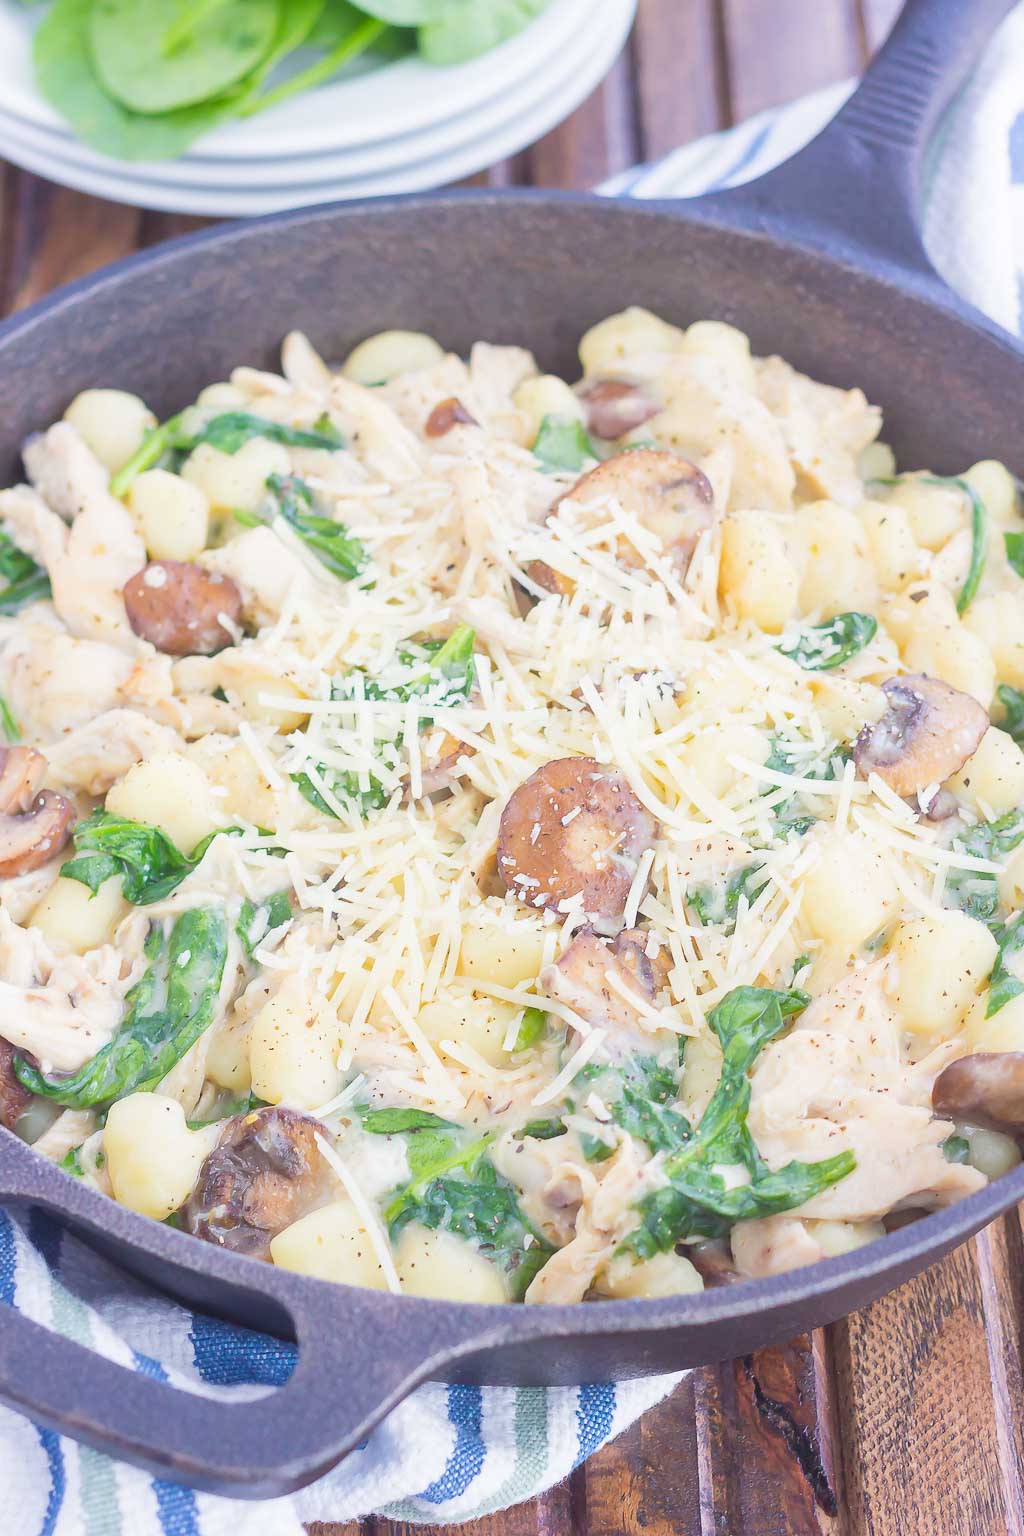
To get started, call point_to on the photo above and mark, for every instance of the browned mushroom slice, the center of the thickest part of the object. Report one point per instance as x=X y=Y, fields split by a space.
x=13 y=1096
x=264 y=1173
x=32 y=827
x=713 y=1262
x=450 y=413
x=574 y=829
x=667 y=495
x=183 y=609
x=598 y=979
x=615 y=407
x=984 y=1089
x=927 y=733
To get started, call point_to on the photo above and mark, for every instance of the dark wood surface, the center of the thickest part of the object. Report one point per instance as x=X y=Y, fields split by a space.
x=905 y=1419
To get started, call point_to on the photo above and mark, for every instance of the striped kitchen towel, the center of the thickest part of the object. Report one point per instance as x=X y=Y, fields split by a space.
x=451 y=1454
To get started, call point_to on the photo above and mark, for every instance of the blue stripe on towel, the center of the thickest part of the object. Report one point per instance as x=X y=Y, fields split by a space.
x=228 y=1356
x=176 y=1506
x=47 y=1439
x=595 y=1409
x=465 y=1413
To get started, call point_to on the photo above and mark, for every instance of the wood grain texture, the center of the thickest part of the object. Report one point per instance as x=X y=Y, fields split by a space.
x=904 y=1420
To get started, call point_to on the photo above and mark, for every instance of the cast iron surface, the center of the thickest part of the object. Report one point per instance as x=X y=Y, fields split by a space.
x=821 y=262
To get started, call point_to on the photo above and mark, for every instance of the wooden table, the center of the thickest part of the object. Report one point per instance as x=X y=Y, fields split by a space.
x=906 y=1419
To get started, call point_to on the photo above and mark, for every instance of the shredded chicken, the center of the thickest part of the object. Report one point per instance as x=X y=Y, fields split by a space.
x=267 y=573
x=98 y=754
x=102 y=548
x=61 y=1008
x=606 y=1216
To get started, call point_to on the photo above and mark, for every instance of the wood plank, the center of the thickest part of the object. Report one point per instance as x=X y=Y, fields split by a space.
x=550 y=1515
x=60 y=235
x=647 y=1482
x=680 y=73
x=599 y=138
x=766 y=1443
x=799 y=46
x=922 y=1432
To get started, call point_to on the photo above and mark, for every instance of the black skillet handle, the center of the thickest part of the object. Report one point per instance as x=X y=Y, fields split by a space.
x=359 y=1354
x=857 y=185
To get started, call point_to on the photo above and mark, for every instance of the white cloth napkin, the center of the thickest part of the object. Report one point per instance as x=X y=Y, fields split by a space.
x=451 y=1454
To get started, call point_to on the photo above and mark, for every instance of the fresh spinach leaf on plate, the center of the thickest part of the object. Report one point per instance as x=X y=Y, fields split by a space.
x=165 y=1014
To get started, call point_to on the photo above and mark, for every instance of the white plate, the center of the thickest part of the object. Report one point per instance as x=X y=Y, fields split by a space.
x=347 y=164
x=384 y=103
x=607 y=40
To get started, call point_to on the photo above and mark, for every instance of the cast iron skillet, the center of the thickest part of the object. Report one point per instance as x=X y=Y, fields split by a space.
x=821 y=261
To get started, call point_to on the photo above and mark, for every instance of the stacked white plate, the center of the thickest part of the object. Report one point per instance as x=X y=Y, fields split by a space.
x=398 y=127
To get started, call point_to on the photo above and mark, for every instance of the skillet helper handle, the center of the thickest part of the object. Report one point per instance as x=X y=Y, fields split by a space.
x=343 y=1384
x=860 y=179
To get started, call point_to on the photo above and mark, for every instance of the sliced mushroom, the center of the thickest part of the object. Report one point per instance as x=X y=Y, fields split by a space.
x=616 y=406
x=14 y=1097
x=713 y=1262
x=32 y=827
x=572 y=830
x=927 y=733
x=667 y=495
x=984 y=1089
x=264 y=1173
x=183 y=609
x=450 y=413
x=597 y=979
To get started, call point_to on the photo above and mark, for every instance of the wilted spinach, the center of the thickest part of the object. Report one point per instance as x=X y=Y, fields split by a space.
x=820 y=647
x=332 y=544
x=1012 y=722
x=717 y=904
x=442 y=675
x=1003 y=985
x=165 y=1014
x=256 y=922
x=976 y=892
x=697 y=1201
x=150 y=865
x=563 y=443
x=229 y=431
x=24 y=581
x=8 y=723
x=979 y=530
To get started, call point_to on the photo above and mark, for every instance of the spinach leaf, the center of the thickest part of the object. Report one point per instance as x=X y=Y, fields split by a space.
x=979 y=530
x=697 y=1200
x=392 y=1122
x=638 y=1095
x=331 y=542
x=8 y=722
x=542 y=1130
x=1012 y=722
x=229 y=431
x=956 y=1149
x=821 y=647
x=1015 y=551
x=442 y=675
x=24 y=580
x=479 y=1205
x=71 y=1163
x=976 y=892
x=563 y=443
x=223 y=43
x=255 y=923
x=467 y=30
x=66 y=76
x=1003 y=985
x=717 y=905
x=228 y=1108
x=165 y=1014
x=150 y=865
x=531 y=1028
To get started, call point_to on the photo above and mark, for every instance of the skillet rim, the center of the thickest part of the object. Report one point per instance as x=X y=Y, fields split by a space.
x=927 y=1239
